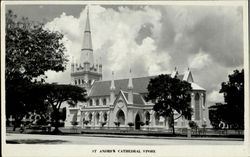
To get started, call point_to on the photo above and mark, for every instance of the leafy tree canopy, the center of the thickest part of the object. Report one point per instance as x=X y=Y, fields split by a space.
x=30 y=52
x=169 y=95
x=233 y=90
x=55 y=94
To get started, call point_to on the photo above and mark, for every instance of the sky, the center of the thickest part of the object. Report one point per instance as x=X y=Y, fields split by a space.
x=150 y=40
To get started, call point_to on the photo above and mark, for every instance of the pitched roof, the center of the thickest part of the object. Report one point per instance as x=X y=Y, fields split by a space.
x=196 y=87
x=102 y=88
x=137 y=98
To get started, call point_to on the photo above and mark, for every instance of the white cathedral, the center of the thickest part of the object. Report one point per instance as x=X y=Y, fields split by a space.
x=122 y=100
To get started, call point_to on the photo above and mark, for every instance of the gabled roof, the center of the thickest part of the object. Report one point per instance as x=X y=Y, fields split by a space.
x=196 y=87
x=102 y=88
x=137 y=98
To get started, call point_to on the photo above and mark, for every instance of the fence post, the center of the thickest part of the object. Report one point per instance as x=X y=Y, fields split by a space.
x=189 y=132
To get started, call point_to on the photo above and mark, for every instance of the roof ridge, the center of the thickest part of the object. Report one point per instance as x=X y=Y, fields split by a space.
x=126 y=78
x=128 y=92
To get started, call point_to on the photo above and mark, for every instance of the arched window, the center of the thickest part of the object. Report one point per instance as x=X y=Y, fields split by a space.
x=90 y=102
x=197 y=107
x=82 y=81
x=90 y=117
x=147 y=116
x=97 y=118
x=97 y=102
x=79 y=81
x=105 y=117
x=89 y=82
x=75 y=82
x=121 y=117
x=104 y=101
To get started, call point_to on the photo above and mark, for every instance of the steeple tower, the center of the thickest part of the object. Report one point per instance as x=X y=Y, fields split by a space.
x=87 y=50
x=84 y=72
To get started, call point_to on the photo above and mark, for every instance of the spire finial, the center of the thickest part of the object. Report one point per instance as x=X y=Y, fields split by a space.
x=130 y=81
x=112 y=86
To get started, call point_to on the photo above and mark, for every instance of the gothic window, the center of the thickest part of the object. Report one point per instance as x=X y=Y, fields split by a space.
x=97 y=118
x=89 y=82
x=105 y=117
x=79 y=81
x=197 y=107
x=104 y=101
x=97 y=102
x=75 y=82
x=121 y=117
x=82 y=81
x=90 y=102
x=147 y=115
x=90 y=117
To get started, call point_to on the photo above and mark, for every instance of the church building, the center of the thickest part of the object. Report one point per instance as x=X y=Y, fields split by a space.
x=122 y=100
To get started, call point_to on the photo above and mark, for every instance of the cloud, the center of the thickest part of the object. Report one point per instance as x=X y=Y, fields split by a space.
x=199 y=60
x=154 y=39
x=115 y=35
x=214 y=29
x=215 y=97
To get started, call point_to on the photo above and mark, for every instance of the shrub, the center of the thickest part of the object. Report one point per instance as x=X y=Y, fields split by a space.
x=130 y=124
x=117 y=124
x=193 y=125
x=142 y=123
x=74 y=123
x=103 y=123
x=86 y=122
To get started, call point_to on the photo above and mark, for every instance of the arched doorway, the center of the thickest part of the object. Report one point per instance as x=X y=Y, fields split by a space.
x=121 y=117
x=137 y=121
x=147 y=116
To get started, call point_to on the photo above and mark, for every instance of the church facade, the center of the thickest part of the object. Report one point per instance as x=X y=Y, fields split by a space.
x=121 y=101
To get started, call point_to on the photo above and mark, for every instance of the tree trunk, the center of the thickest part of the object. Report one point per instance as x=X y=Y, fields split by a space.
x=172 y=123
x=56 y=118
x=173 y=129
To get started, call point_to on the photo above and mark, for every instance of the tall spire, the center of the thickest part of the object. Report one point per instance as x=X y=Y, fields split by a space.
x=130 y=82
x=87 y=50
x=112 y=86
x=130 y=88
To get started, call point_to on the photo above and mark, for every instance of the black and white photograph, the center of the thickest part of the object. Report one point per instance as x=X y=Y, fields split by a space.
x=124 y=78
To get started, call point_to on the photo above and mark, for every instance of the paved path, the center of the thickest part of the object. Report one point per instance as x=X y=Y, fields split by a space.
x=113 y=140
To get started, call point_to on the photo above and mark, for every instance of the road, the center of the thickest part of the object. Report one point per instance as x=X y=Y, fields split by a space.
x=115 y=140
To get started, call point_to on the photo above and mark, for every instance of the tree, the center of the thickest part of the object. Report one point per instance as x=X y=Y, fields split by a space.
x=233 y=90
x=170 y=95
x=56 y=94
x=30 y=52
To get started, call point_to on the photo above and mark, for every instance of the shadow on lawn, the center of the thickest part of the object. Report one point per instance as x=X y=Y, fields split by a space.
x=35 y=141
